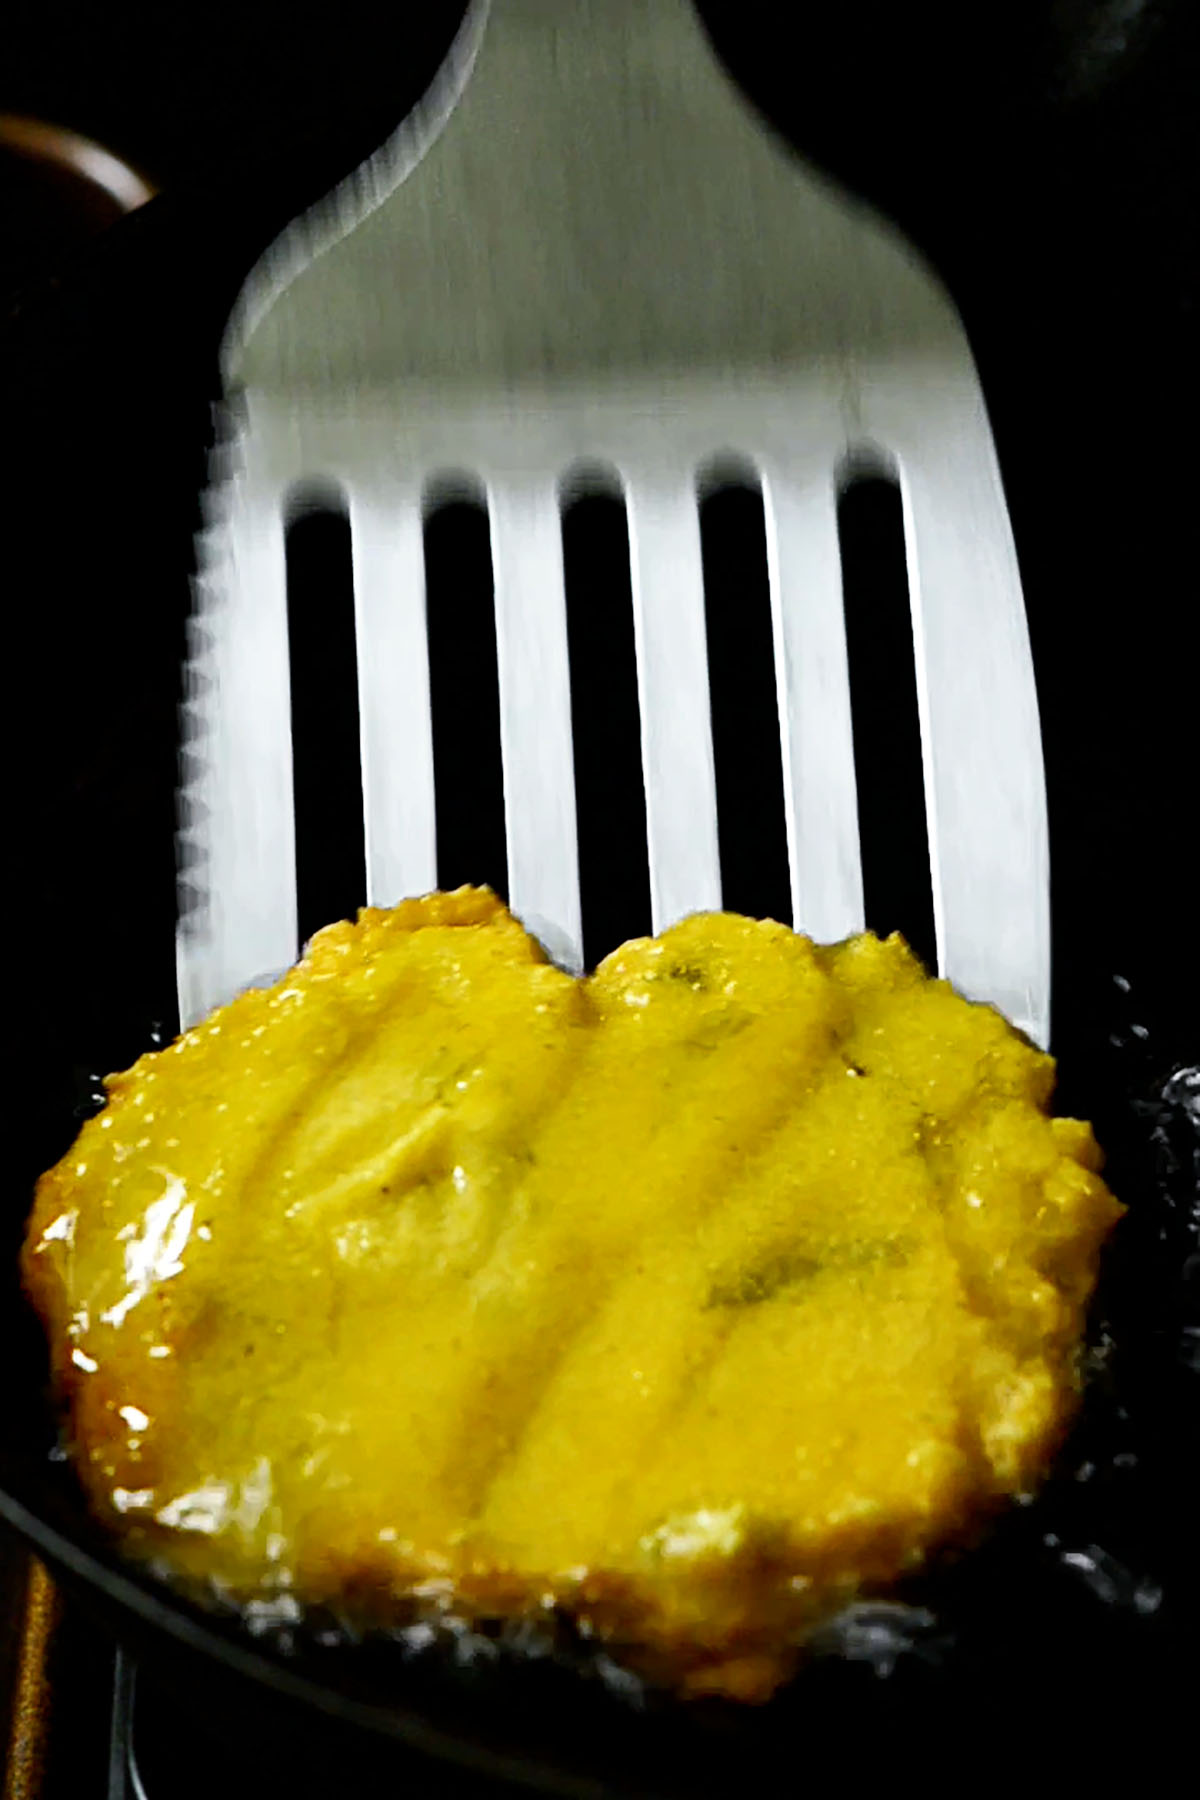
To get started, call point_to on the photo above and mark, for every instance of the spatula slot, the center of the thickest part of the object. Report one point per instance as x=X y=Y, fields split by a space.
x=883 y=701
x=463 y=686
x=609 y=793
x=745 y=718
x=326 y=773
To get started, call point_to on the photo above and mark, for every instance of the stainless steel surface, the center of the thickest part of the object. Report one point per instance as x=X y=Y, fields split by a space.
x=583 y=250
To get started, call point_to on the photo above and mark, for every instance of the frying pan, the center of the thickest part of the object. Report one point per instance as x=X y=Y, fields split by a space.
x=1043 y=169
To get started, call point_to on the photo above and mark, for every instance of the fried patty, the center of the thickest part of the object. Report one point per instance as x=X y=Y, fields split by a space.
x=694 y=1298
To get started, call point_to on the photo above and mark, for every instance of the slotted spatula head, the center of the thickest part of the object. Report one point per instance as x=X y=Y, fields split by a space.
x=585 y=249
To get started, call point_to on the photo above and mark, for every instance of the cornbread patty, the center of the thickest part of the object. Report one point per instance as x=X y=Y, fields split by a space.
x=693 y=1298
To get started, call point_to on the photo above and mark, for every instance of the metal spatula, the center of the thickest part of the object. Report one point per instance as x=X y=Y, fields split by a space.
x=585 y=248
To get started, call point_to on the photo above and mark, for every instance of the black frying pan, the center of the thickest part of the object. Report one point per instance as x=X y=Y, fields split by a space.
x=1049 y=177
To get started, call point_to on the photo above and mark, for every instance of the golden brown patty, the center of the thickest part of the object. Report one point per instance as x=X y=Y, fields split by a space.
x=695 y=1297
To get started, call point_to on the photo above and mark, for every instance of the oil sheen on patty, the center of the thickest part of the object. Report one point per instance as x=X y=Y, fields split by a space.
x=693 y=1298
